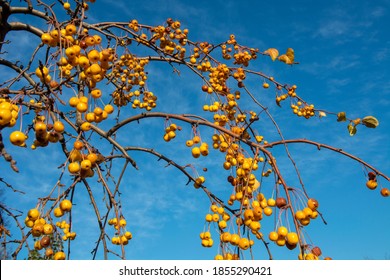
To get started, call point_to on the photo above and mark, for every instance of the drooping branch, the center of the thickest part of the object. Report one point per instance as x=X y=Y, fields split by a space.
x=320 y=145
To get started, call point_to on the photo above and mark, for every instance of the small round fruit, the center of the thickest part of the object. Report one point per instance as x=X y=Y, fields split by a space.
x=73 y=101
x=33 y=214
x=271 y=202
x=58 y=212
x=66 y=205
x=226 y=237
x=312 y=204
x=300 y=215
x=109 y=108
x=58 y=126
x=292 y=238
x=385 y=192
x=48 y=229
x=74 y=167
x=281 y=202
x=282 y=231
x=45 y=241
x=59 y=256
x=372 y=184
x=316 y=251
x=243 y=243
x=5 y=116
x=49 y=252
x=273 y=236
x=234 y=239
x=86 y=164
x=268 y=211
x=195 y=152
x=18 y=138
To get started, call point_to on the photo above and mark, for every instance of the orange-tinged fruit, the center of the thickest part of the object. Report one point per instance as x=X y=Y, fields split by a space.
x=59 y=256
x=109 y=109
x=312 y=204
x=18 y=138
x=282 y=231
x=292 y=238
x=385 y=192
x=244 y=243
x=58 y=126
x=372 y=184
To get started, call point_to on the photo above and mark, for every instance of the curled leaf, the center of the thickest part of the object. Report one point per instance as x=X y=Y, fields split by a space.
x=284 y=58
x=273 y=53
x=290 y=54
x=341 y=117
x=352 y=129
x=370 y=121
x=321 y=114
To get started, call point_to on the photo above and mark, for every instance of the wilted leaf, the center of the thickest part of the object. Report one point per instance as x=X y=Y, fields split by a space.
x=284 y=58
x=273 y=53
x=370 y=121
x=321 y=114
x=290 y=54
x=352 y=129
x=341 y=117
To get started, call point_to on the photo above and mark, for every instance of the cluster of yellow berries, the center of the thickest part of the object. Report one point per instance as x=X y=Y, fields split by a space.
x=207 y=241
x=170 y=132
x=43 y=231
x=8 y=113
x=218 y=215
x=309 y=212
x=64 y=207
x=83 y=163
x=46 y=133
x=120 y=225
x=65 y=228
x=197 y=151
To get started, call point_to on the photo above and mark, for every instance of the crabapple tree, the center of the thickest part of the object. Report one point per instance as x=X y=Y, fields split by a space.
x=85 y=83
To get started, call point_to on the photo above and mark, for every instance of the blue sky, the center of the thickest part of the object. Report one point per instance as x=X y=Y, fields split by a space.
x=343 y=50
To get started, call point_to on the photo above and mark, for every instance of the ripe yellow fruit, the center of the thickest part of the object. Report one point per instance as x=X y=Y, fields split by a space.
x=18 y=138
x=86 y=164
x=282 y=231
x=33 y=214
x=292 y=238
x=243 y=243
x=74 y=167
x=48 y=229
x=66 y=205
x=372 y=184
x=58 y=212
x=86 y=126
x=109 y=109
x=195 y=152
x=58 y=126
x=73 y=101
x=59 y=255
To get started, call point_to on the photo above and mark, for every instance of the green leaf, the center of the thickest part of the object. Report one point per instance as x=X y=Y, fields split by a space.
x=370 y=121
x=341 y=117
x=352 y=129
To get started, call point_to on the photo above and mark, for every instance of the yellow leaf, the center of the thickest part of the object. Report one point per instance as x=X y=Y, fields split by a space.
x=273 y=53
x=341 y=117
x=321 y=114
x=284 y=58
x=290 y=54
x=352 y=129
x=370 y=121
